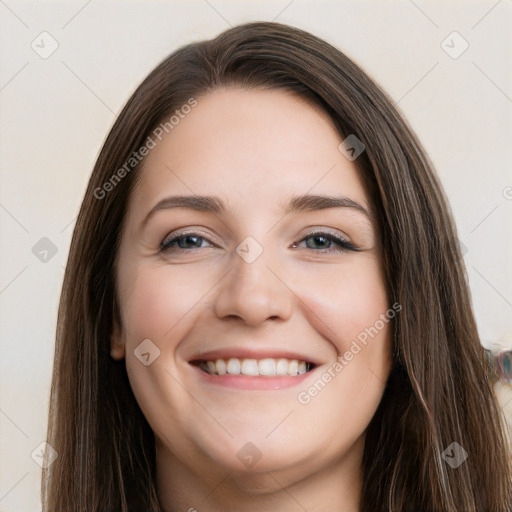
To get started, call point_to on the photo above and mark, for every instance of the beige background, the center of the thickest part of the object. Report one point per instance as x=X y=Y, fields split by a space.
x=56 y=111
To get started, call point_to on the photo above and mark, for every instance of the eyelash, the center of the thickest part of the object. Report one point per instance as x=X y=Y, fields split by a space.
x=344 y=245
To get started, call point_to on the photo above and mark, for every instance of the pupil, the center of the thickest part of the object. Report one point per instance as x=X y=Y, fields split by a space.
x=319 y=239
x=187 y=239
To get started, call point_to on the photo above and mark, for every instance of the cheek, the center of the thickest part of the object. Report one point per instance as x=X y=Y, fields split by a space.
x=350 y=308
x=159 y=306
x=345 y=300
x=347 y=307
x=158 y=303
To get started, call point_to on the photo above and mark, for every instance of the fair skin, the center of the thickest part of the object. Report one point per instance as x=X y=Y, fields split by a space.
x=304 y=297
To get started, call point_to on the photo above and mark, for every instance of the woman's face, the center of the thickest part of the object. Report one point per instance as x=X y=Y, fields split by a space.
x=256 y=283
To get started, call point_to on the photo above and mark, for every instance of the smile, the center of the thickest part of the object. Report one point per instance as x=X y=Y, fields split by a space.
x=268 y=367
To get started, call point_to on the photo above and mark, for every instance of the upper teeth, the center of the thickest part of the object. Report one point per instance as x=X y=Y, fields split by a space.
x=268 y=367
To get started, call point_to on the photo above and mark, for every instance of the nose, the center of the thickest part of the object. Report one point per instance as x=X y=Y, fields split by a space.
x=254 y=292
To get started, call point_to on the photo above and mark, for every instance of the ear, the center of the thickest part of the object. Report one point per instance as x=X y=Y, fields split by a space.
x=116 y=339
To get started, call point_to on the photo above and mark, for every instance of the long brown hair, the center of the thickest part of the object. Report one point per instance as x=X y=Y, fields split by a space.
x=439 y=390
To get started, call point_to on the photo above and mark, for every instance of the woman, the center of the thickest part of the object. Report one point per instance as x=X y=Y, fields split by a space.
x=265 y=305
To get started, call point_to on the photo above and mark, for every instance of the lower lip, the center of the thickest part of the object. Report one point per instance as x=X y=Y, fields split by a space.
x=252 y=382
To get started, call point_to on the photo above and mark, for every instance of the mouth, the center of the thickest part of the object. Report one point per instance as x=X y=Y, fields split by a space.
x=265 y=368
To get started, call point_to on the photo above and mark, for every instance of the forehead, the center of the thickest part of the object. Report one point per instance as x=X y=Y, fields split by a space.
x=250 y=147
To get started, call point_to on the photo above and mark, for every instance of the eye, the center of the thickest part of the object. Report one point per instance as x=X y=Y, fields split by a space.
x=326 y=240
x=182 y=241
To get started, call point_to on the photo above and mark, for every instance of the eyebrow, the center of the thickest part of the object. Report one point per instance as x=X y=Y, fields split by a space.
x=214 y=204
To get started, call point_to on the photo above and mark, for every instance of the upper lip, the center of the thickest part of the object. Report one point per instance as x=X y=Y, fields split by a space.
x=247 y=353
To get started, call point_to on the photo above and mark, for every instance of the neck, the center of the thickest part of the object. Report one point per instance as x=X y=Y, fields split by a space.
x=336 y=487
